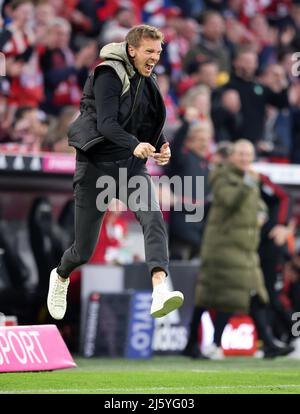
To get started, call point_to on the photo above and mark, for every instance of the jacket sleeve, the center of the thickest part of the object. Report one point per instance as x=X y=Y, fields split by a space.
x=278 y=197
x=107 y=90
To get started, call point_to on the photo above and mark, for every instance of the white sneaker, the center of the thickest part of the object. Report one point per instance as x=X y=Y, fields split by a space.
x=213 y=352
x=165 y=302
x=57 y=296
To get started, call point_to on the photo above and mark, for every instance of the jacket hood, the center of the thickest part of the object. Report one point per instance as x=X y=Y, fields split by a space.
x=216 y=172
x=118 y=51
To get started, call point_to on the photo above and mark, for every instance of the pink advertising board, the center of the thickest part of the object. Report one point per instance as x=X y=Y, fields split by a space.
x=57 y=163
x=33 y=348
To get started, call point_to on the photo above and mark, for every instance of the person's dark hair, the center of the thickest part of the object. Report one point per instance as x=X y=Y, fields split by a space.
x=21 y=111
x=283 y=51
x=240 y=50
x=207 y=14
x=224 y=149
x=143 y=31
x=195 y=66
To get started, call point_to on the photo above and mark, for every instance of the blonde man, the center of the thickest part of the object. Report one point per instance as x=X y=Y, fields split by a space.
x=119 y=127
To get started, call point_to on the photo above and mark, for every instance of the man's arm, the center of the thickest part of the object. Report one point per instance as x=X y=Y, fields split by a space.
x=107 y=89
x=278 y=99
x=231 y=194
x=275 y=192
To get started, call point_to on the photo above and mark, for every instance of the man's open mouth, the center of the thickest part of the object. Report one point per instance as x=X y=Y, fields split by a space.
x=149 y=66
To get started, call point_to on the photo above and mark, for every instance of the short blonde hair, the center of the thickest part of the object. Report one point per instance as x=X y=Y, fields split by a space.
x=61 y=22
x=243 y=142
x=137 y=33
x=191 y=94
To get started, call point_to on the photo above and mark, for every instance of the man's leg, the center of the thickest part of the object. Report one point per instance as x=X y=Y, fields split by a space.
x=221 y=320
x=150 y=217
x=258 y=312
x=88 y=221
x=87 y=227
x=192 y=347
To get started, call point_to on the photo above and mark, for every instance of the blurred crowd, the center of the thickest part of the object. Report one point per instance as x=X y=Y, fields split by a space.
x=235 y=62
x=229 y=70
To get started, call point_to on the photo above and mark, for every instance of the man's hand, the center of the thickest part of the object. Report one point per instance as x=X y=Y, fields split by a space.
x=144 y=150
x=163 y=157
x=279 y=234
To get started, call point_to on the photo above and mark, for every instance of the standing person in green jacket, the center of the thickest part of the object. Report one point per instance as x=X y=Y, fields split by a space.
x=231 y=280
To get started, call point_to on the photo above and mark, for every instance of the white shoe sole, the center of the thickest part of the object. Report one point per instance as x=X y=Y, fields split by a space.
x=169 y=305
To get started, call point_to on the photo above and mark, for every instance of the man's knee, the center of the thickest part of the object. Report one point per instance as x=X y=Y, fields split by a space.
x=152 y=218
x=83 y=257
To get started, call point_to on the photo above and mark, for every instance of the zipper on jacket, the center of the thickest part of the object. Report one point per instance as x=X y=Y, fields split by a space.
x=162 y=123
x=135 y=97
x=92 y=140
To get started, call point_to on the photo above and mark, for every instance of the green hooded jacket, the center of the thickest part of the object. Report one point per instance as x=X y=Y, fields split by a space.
x=230 y=270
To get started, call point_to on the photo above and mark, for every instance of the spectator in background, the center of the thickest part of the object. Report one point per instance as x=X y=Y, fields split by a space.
x=105 y=10
x=116 y=29
x=221 y=153
x=203 y=73
x=57 y=138
x=290 y=295
x=285 y=60
x=118 y=88
x=82 y=19
x=264 y=39
x=181 y=36
x=4 y=91
x=230 y=278
x=28 y=131
x=82 y=16
x=44 y=12
x=246 y=10
x=275 y=144
x=172 y=115
x=22 y=65
x=5 y=34
x=198 y=98
x=273 y=251
x=227 y=117
x=64 y=72
x=236 y=32
x=190 y=149
x=253 y=95
x=211 y=44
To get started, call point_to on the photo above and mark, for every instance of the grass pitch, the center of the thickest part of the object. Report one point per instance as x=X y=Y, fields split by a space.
x=161 y=375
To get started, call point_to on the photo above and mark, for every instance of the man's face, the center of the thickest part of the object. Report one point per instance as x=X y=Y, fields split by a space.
x=242 y=156
x=199 y=141
x=246 y=65
x=58 y=36
x=146 y=56
x=208 y=75
x=23 y=14
x=214 y=27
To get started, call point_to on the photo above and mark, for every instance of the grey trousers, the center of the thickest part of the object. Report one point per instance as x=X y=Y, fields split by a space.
x=90 y=204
